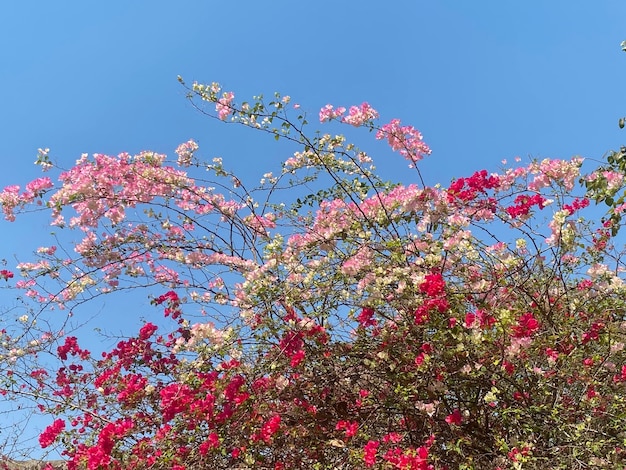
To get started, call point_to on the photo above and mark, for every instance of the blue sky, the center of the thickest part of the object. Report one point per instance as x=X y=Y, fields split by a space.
x=483 y=81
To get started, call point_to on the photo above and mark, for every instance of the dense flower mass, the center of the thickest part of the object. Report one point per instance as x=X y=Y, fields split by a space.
x=326 y=318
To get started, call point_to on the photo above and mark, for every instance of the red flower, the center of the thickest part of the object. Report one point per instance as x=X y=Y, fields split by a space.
x=433 y=285
x=523 y=203
x=297 y=358
x=468 y=189
x=369 y=454
x=270 y=428
x=365 y=317
x=71 y=347
x=212 y=442
x=147 y=330
x=51 y=433
x=526 y=326
x=350 y=427
x=455 y=418
x=170 y=296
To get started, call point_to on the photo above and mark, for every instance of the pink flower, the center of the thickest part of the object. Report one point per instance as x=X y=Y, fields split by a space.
x=185 y=152
x=328 y=112
x=359 y=115
x=552 y=355
x=223 y=105
x=404 y=139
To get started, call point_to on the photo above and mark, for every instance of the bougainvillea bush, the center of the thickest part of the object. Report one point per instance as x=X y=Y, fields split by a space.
x=328 y=319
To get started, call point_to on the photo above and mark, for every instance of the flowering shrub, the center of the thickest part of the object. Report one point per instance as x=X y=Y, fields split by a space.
x=478 y=325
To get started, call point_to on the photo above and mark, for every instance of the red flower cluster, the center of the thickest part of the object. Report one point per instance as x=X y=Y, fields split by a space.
x=467 y=189
x=576 y=205
x=369 y=453
x=51 y=433
x=524 y=203
x=365 y=317
x=71 y=347
x=173 y=304
x=270 y=428
x=594 y=333
x=526 y=326
x=350 y=427
x=455 y=418
x=433 y=285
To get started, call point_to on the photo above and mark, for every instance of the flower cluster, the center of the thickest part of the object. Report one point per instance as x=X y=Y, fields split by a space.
x=360 y=115
x=223 y=105
x=523 y=204
x=404 y=139
x=329 y=112
x=468 y=189
x=185 y=152
x=50 y=434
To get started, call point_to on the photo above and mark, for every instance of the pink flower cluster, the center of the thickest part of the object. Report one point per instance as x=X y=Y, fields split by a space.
x=329 y=112
x=10 y=197
x=360 y=115
x=185 y=152
x=357 y=115
x=224 y=105
x=548 y=171
x=406 y=140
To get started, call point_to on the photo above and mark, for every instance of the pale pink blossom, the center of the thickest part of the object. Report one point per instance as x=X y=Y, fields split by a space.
x=359 y=115
x=404 y=139
x=328 y=112
x=185 y=153
x=224 y=105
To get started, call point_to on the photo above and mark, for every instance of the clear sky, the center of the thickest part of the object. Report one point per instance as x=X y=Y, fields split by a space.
x=483 y=80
